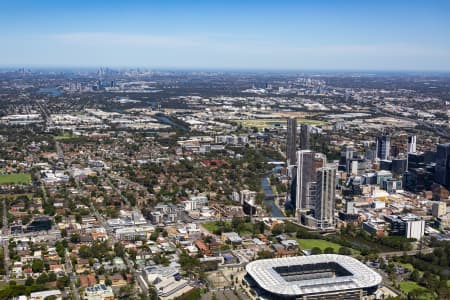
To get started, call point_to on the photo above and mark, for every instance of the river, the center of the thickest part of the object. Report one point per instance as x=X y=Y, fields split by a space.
x=162 y=118
x=270 y=198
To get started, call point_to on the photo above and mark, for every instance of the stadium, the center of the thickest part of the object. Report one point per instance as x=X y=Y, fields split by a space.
x=325 y=276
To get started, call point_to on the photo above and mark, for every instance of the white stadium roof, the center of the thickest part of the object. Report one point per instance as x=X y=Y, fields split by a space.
x=263 y=272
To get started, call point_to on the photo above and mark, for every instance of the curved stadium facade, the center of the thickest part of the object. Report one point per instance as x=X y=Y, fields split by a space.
x=325 y=276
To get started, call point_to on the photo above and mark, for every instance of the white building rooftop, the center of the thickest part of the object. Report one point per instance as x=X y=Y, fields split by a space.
x=357 y=275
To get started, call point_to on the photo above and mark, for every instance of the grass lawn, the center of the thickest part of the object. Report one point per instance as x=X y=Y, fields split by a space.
x=409 y=267
x=14 y=196
x=211 y=226
x=308 y=244
x=406 y=266
x=245 y=232
x=19 y=178
x=64 y=136
x=244 y=229
x=408 y=286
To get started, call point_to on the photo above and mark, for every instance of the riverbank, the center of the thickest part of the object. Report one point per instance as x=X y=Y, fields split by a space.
x=269 y=195
x=170 y=121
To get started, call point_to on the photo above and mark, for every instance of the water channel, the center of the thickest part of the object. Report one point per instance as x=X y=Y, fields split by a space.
x=162 y=118
x=270 y=197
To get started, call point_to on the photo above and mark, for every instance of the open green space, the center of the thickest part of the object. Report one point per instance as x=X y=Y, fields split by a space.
x=308 y=244
x=242 y=228
x=64 y=136
x=409 y=286
x=14 y=196
x=269 y=123
x=211 y=226
x=19 y=178
x=406 y=266
x=409 y=267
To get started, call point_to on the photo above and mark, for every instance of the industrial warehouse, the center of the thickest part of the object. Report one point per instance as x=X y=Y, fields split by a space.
x=327 y=276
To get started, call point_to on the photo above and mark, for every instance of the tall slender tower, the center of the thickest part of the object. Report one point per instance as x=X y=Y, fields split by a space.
x=383 y=147
x=325 y=197
x=412 y=144
x=442 y=168
x=304 y=137
x=305 y=175
x=291 y=141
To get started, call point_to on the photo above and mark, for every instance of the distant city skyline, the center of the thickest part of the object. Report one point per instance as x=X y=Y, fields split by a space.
x=258 y=35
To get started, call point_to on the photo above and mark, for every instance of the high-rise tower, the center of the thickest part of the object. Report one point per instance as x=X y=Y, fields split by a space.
x=383 y=147
x=308 y=163
x=442 y=169
x=325 y=197
x=412 y=144
x=291 y=141
x=304 y=137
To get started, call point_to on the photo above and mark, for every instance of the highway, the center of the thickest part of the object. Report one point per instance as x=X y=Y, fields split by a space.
x=436 y=129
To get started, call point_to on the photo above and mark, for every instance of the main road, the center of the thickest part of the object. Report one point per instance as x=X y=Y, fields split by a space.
x=142 y=285
x=72 y=276
x=5 y=241
x=408 y=253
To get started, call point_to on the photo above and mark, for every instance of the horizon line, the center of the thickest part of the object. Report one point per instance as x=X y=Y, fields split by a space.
x=223 y=69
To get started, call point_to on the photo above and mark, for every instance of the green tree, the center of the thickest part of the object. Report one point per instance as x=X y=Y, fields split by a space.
x=328 y=250
x=37 y=266
x=84 y=251
x=235 y=222
x=153 y=295
x=119 y=249
x=188 y=263
x=345 y=251
x=29 y=281
x=42 y=279
x=52 y=276
x=154 y=235
x=262 y=254
x=316 y=250
x=108 y=281
x=414 y=276
x=278 y=229
x=75 y=238
x=261 y=227
x=62 y=282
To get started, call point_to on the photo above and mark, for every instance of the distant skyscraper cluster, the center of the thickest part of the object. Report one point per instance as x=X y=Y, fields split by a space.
x=291 y=140
x=313 y=182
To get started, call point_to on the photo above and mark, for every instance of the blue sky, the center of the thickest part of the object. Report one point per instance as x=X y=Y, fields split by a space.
x=298 y=35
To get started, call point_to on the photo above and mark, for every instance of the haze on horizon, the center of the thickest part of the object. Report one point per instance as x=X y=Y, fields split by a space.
x=328 y=35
